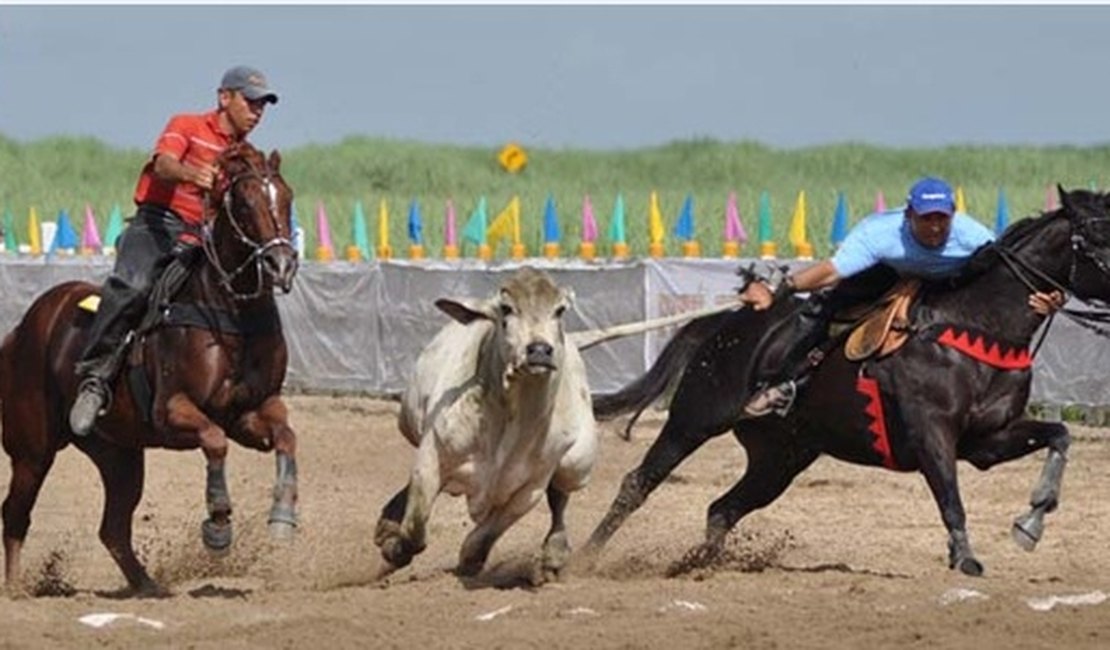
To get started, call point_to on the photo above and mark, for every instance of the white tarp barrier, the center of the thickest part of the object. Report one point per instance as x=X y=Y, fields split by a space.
x=358 y=327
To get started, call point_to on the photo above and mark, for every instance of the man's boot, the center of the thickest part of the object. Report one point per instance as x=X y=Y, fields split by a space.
x=91 y=402
x=777 y=394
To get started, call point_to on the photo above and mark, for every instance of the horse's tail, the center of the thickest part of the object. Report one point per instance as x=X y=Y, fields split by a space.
x=638 y=395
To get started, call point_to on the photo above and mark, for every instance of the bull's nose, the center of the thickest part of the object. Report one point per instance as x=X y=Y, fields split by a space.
x=540 y=354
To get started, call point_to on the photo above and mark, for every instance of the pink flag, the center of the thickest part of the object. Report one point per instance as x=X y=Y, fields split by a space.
x=323 y=231
x=90 y=237
x=589 y=224
x=734 y=228
x=449 y=236
x=1050 y=199
x=880 y=202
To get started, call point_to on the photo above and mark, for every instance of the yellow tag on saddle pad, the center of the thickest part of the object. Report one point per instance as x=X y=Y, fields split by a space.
x=90 y=303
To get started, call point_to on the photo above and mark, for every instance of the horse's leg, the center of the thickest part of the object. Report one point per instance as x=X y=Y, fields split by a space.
x=674 y=444
x=774 y=459
x=937 y=460
x=121 y=471
x=400 y=542
x=193 y=428
x=28 y=474
x=1018 y=439
x=268 y=427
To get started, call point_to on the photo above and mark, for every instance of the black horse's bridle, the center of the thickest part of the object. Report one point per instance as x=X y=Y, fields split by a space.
x=258 y=249
x=1094 y=319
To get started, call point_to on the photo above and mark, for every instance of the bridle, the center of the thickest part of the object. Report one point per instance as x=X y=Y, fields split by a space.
x=258 y=249
x=1094 y=319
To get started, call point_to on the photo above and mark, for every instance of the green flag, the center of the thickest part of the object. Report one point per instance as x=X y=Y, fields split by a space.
x=765 y=233
x=115 y=227
x=616 y=224
x=475 y=229
x=360 y=236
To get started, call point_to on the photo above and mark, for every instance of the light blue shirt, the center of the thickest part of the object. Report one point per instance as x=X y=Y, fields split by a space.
x=885 y=237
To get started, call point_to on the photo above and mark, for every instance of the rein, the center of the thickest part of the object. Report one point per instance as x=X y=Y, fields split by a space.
x=258 y=249
x=1094 y=320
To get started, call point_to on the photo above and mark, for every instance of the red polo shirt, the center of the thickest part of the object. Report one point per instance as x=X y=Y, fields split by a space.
x=194 y=139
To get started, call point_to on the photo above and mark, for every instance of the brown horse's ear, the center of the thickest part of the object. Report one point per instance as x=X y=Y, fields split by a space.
x=275 y=161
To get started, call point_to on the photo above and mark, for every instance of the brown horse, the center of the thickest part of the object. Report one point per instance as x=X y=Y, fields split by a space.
x=214 y=365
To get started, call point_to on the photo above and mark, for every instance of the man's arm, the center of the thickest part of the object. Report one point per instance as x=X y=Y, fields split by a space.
x=168 y=168
x=811 y=278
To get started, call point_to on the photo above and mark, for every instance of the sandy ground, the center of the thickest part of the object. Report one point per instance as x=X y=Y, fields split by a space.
x=848 y=558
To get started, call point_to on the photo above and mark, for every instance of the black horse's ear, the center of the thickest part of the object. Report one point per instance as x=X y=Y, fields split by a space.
x=275 y=161
x=1065 y=198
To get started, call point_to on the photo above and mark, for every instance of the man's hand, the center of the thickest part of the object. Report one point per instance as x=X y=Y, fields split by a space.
x=1048 y=303
x=203 y=176
x=757 y=295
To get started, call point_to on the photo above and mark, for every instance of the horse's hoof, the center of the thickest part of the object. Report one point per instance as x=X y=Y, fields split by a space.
x=282 y=531
x=1027 y=531
x=151 y=589
x=969 y=566
x=216 y=536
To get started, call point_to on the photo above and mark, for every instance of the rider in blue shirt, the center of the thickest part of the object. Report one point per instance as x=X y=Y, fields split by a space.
x=925 y=239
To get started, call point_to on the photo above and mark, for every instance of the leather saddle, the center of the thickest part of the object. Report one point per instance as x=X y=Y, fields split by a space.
x=880 y=328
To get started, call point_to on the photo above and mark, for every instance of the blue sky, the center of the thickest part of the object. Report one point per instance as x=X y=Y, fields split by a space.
x=570 y=76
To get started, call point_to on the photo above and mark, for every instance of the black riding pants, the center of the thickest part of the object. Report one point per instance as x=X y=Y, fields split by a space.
x=144 y=250
x=785 y=354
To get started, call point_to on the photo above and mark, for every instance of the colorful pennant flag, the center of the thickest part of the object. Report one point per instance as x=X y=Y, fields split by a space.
x=359 y=248
x=66 y=239
x=767 y=245
x=1002 y=213
x=655 y=220
x=416 y=225
x=961 y=204
x=551 y=234
x=589 y=223
x=616 y=223
x=385 y=251
x=880 y=202
x=506 y=225
x=1050 y=199
x=684 y=226
x=450 y=233
x=325 y=251
x=475 y=229
x=34 y=232
x=840 y=220
x=90 y=237
x=734 y=227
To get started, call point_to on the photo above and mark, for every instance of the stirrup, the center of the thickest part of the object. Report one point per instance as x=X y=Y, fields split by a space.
x=777 y=399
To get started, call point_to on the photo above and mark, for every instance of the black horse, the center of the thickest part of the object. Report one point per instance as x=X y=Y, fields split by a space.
x=957 y=389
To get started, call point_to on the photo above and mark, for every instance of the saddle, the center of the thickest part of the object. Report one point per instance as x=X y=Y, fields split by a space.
x=883 y=327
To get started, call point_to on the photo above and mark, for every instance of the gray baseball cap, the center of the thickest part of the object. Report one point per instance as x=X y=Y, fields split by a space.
x=250 y=82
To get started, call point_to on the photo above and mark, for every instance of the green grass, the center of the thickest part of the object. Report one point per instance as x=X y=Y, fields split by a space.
x=66 y=173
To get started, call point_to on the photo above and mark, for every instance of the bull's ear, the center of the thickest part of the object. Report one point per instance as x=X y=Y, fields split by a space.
x=462 y=312
x=568 y=295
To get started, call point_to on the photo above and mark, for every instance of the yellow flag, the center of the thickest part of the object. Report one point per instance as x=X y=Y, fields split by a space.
x=383 y=224
x=655 y=220
x=34 y=236
x=798 y=222
x=506 y=225
x=961 y=206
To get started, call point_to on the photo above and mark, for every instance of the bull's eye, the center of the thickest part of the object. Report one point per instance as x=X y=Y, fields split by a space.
x=560 y=310
x=506 y=310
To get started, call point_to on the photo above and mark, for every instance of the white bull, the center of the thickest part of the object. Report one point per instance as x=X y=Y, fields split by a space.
x=499 y=410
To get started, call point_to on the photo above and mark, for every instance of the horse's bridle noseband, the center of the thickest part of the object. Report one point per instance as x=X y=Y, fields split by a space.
x=258 y=249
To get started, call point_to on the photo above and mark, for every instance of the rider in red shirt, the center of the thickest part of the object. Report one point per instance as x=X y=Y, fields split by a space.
x=170 y=199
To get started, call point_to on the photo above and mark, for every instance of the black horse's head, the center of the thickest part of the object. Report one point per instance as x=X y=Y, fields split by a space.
x=252 y=226
x=1089 y=214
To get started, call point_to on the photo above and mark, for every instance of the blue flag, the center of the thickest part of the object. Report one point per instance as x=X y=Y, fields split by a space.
x=684 y=227
x=1002 y=215
x=550 y=222
x=840 y=220
x=416 y=226
x=65 y=236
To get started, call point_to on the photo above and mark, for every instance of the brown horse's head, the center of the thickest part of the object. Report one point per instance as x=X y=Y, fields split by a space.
x=251 y=224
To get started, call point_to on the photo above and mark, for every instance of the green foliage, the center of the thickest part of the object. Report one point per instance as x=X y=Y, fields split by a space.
x=65 y=173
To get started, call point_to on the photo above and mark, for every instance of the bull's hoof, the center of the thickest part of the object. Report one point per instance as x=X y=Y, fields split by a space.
x=1027 y=531
x=216 y=536
x=469 y=568
x=395 y=551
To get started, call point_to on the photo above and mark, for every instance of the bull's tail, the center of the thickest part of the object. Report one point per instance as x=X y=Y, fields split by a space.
x=638 y=395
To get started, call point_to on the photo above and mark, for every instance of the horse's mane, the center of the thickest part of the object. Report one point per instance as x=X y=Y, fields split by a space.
x=987 y=256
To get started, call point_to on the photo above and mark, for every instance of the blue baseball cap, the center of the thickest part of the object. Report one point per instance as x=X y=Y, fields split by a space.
x=932 y=195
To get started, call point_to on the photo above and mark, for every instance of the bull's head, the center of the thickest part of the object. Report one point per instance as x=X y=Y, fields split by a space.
x=527 y=313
